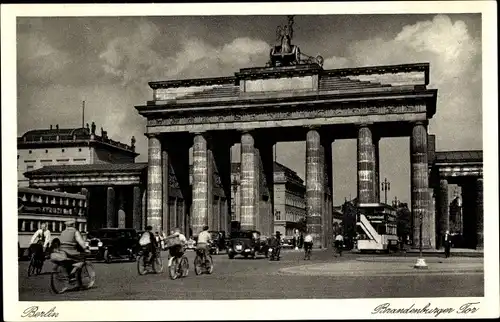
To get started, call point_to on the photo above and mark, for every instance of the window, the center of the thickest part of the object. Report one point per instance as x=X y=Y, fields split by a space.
x=30 y=151
x=46 y=151
x=79 y=150
x=62 y=150
x=29 y=168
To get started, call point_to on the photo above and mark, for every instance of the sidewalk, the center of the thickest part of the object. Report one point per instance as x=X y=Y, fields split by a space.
x=389 y=266
x=465 y=252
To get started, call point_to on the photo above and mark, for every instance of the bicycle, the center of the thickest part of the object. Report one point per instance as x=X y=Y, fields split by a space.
x=155 y=262
x=35 y=266
x=36 y=261
x=338 y=248
x=307 y=252
x=178 y=267
x=202 y=263
x=83 y=275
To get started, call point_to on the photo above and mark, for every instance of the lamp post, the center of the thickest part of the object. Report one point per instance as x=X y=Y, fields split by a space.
x=420 y=261
x=386 y=186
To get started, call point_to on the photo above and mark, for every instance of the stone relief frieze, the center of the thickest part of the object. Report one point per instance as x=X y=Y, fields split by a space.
x=288 y=114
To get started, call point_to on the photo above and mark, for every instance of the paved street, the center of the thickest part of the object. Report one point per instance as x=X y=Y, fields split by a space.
x=350 y=276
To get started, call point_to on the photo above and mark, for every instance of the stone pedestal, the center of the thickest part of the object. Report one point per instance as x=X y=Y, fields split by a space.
x=154 y=190
x=248 y=184
x=420 y=186
x=110 y=208
x=366 y=165
x=479 y=214
x=200 y=185
x=315 y=172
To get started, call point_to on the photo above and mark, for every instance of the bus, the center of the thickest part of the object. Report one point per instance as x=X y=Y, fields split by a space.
x=53 y=208
x=376 y=227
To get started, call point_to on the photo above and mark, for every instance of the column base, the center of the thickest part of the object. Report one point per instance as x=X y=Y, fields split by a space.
x=420 y=264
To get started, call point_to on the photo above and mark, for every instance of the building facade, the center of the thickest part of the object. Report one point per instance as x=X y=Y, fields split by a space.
x=288 y=195
x=70 y=146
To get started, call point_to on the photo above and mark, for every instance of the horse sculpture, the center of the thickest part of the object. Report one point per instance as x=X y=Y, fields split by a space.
x=287 y=54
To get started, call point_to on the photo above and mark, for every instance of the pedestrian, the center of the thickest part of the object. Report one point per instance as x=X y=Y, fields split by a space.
x=339 y=244
x=301 y=240
x=447 y=244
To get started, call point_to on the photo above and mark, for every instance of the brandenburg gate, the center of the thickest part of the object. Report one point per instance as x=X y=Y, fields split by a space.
x=292 y=98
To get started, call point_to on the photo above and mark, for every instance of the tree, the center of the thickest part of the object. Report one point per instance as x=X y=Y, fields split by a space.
x=403 y=219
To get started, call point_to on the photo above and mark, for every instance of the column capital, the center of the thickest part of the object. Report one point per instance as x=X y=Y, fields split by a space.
x=424 y=123
x=312 y=127
x=364 y=124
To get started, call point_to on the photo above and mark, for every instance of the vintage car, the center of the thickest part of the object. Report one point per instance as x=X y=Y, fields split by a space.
x=247 y=243
x=218 y=242
x=287 y=242
x=113 y=243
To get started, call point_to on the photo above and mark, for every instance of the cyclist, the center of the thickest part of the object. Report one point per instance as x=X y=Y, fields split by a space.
x=275 y=242
x=178 y=250
x=40 y=242
x=72 y=244
x=308 y=243
x=204 y=239
x=149 y=244
x=339 y=243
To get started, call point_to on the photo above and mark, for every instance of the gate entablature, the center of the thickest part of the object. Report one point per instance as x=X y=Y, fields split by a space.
x=288 y=96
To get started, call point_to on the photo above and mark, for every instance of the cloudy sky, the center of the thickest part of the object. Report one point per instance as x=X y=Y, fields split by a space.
x=107 y=61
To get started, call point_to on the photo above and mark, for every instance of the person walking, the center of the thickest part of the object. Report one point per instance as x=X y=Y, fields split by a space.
x=447 y=244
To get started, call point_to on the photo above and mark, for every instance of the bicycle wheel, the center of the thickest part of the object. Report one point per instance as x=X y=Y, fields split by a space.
x=39 y=266
x=32 y=265
x=141 y=266
x=86 y=276
x=173 y=268
x=158 y=264
x=197 y=265
x=59 y=279
x=209 y=265
x=184 y=266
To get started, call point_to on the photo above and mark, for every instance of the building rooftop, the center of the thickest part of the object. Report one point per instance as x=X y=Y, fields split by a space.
x=458 y=156
x=71 y=136
x=88 y=168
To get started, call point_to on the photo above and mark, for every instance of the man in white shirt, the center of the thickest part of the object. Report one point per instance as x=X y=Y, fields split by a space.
x=178 y=250
x=308 y=243
x=339 y=243
x=204 y=239
x=40 y=237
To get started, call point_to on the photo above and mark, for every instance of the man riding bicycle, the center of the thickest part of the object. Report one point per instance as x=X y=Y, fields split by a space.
x=178 y=250
x=308 y=244
x=40 y=242
x=339 y=243
x=72 y=244
x=204 y=239
x=149 y=244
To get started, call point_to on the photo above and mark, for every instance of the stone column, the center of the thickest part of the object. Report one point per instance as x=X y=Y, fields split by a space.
x=154 y=190
x=479 y=214
x=376 y=173
x=200 y=184
x=110 y=208
x=121 y=208
x=258 y=191
x=144 y=208
x=443 y=211
x=326 y=218
x=210 y=184
x=420 y=185
x=366 y=177
x=165 y=167
x=247 y=182
x=136 y=208
x=314 y=185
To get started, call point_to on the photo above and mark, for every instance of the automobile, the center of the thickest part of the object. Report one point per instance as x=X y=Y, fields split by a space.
x=113 y=243
x=287 y=242
x=247 y=243
x=218 y=242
